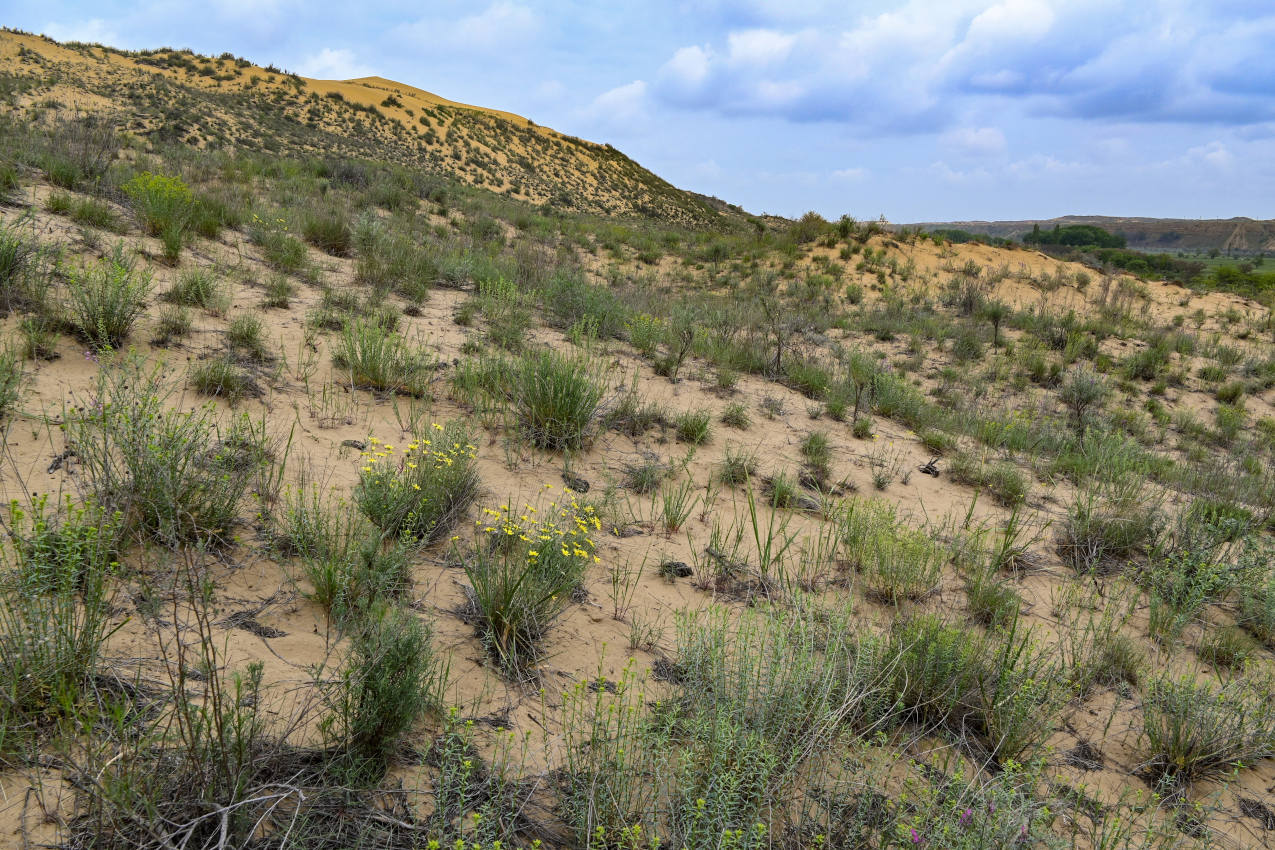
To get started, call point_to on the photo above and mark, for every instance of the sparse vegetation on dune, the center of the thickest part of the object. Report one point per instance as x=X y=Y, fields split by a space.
x=407 y=513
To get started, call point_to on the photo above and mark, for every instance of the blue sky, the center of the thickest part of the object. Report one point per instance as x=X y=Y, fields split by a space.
x=920 y=110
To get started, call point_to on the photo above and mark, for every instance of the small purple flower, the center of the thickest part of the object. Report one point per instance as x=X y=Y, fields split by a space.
x=991 y=807
x=966 y=817
x=916 y=837
x=1022 y=833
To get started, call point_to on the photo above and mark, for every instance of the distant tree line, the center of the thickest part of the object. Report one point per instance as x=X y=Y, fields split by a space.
x=1075 y=236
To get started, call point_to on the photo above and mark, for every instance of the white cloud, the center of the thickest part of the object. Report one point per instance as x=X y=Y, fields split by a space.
x=759 y=47
x=93 y=30
x=502 y=26
x=852 y=174
x=622 y=106
x=333 y=64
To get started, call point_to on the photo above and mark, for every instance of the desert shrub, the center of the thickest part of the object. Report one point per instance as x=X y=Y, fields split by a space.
x=39 y=337
x=280 y=249
x=992 y=600
x=1105 y=530
x=173 y=474
x=694 y=427
x=570 y=299
x=1081 y=392
x=329 y=231
x=507 y=312
x=524 y=568
x=85 y=211
x=1227 y=648
x=163 y=204
x=55 y=614
x=896 y=563
x=22 y=286
x=12 y=378
x=391 y=677
x=246 y=336
x=1194 y=730
x=198 y=287
x=379 y=359
x=817 y=453
x=105 y=300
x=633 y=416
x=223 y=378
x=556 y=397
x=422 y=491
x=1257 y=598
x=1006 y=484
x=1003 y=690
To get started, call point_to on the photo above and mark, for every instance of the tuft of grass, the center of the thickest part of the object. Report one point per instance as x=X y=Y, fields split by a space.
x=39 y=338
x=223 y=378
x=173 y=323
x=1106 y=530
x=104 y=301
x=645 y=477
x=895 y=563
x=422 y=490
x=738 y=467
x=198 y=287
x=86 y=211
x=379 y=359
x=632 y=416
x=694 y=427
x=246 y=337
x=817 y=452
x=1004 y=481
x=329 y=231
x=735 y=415
x=556 y=397
x=278 y=292
x=1195 y=731
x=1227 y=648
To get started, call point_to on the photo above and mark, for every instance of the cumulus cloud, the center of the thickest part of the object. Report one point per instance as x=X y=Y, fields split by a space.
x=333 y=64
x=913 y=67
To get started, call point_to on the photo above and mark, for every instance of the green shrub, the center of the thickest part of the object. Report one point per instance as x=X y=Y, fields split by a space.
x=896 y=563
x=173 y=474
x=56 y=611
x=1006 y=484
x=378 y=359
x=280 y=249
x=817 y=452
x=1195 y=731
x=556 y=397
x=328 y=231
x=524 y=569
x=1003 y=691
x=21 y=283
x=104 y=301
x=391 y=678
x=422 y=491
x=165 y=207
x=1104 y=531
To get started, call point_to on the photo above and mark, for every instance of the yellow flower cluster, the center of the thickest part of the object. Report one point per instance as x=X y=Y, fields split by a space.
x=563 y=529
x=415 y=454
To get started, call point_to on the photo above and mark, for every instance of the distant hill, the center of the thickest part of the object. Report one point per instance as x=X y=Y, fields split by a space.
x=228 y=102
x=1230 y=235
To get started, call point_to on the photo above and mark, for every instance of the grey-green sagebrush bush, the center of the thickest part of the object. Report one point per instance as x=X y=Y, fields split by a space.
x=174 y=475
x=104 y=301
